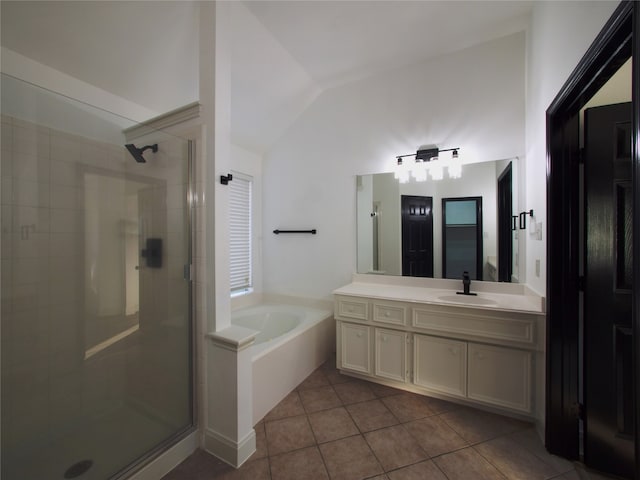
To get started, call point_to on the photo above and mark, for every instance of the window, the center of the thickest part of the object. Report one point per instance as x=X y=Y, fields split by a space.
x=240 y=233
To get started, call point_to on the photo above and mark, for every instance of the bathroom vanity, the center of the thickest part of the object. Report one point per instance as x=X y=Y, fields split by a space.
x=420 y=335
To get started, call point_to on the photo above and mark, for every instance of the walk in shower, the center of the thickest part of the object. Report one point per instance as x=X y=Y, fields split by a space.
x=97 y=369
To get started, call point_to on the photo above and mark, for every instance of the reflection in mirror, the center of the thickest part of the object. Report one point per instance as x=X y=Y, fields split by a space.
x=384 y=246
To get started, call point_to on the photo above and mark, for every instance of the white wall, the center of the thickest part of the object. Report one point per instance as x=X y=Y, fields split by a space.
x=472 y=99
x=559 y=35
x=364 y=193
x=386 y=191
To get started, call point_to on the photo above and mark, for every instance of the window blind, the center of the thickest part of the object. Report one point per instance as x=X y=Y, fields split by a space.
x=240 y=232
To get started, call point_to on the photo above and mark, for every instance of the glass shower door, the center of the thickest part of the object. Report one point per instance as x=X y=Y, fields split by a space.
x=96 y=309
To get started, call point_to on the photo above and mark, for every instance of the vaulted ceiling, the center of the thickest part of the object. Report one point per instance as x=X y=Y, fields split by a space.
x=284 y=53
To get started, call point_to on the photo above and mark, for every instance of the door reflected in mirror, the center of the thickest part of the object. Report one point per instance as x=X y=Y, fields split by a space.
x=392 y=241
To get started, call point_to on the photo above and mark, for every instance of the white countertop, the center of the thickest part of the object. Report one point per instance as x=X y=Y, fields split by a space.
x=523 y=303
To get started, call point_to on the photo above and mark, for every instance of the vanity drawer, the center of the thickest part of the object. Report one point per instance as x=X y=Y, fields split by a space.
x=504 y=327
x=390 y=313
x=347 y=307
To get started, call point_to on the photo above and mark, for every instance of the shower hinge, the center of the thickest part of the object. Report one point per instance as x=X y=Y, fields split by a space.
x=188 y=272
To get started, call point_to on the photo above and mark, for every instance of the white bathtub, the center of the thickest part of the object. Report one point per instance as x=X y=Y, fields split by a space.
x=292 y=342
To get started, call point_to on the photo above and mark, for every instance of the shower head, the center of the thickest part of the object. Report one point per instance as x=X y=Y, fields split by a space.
x=136 y=152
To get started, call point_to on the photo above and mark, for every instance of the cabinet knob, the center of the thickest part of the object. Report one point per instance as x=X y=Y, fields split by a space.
x=384 y=338
x=453 y=350
x=359 y=334
x=386 y=314
x=480 y=356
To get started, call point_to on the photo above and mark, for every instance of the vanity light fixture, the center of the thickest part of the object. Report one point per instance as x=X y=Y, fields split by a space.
x=427 y=163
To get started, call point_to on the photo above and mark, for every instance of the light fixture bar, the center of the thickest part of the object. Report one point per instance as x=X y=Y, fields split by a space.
x=426 y=163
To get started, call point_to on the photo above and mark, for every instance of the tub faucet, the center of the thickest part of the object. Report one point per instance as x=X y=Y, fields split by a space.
x=466 y=284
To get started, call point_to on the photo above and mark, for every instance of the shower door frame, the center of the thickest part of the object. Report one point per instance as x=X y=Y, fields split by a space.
x=161 y=448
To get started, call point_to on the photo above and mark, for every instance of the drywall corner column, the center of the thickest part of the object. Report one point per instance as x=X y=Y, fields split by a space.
x=215 y=98
x=229 y=434
x=228 y=407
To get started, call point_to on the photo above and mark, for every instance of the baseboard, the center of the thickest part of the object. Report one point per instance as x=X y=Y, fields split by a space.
x=229 y=451
x=166 y=462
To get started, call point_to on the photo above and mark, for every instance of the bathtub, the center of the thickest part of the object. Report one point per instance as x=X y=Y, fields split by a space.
x=292 y=341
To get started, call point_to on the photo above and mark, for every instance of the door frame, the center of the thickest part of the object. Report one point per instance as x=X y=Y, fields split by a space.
x=505 y=253
x=616 y=42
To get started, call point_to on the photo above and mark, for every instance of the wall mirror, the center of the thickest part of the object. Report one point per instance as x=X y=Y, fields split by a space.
x=402 y=228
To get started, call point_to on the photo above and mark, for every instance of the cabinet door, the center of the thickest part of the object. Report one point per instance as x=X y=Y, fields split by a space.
x=500 y=376
x=440 y=364
x=391 y=354
x=355 y=347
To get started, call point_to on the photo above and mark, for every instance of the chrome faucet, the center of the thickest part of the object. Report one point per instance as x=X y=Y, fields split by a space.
x=466 y=284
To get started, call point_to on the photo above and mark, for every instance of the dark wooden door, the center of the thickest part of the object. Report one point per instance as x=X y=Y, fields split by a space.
x=608 y=340
x=417 y=236
x=505 y=233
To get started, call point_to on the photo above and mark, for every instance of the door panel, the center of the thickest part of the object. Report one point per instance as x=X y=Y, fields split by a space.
x=417 y=236
x=608 y=441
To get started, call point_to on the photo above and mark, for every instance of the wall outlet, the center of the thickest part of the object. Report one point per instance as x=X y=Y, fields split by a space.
x=537 y=267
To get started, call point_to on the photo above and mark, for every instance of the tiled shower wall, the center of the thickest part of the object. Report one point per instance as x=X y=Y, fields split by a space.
x=48 y=386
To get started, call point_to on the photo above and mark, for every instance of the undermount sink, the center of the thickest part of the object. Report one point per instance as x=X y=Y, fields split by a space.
x=467 y=299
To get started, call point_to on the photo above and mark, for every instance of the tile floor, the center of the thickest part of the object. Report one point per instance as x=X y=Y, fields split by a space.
x=337 y=427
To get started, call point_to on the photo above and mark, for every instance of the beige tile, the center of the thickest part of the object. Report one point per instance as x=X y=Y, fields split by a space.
x=288 y=434
x=200 y=465
x=349 y=459
x=477 y=426
x=320 y=398
x=407 y=406
x=334 y=376
x=530 y=440
x=6 y=162
x=572 y=475
x=584 y=473
x=435 y=436
x=383 y=391
x=420 y=471
x=438 y=406
x=394 y=447
x=306 y=463
x=354 y=392
x=371 y=415
x=467 y=464
x=29 y=194
x=316 y=379
x=513 y=460
x=255 y=470
x=329 y=425
x=290 y=406
x=329 y=364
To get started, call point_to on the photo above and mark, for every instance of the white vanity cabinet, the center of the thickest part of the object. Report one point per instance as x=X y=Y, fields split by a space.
x=500 y=376
x=440 y=364
x=477 y=356
x=355 y=347
x=391 y=354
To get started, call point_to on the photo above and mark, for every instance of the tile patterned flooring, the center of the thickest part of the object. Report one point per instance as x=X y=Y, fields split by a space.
x=336 y=427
